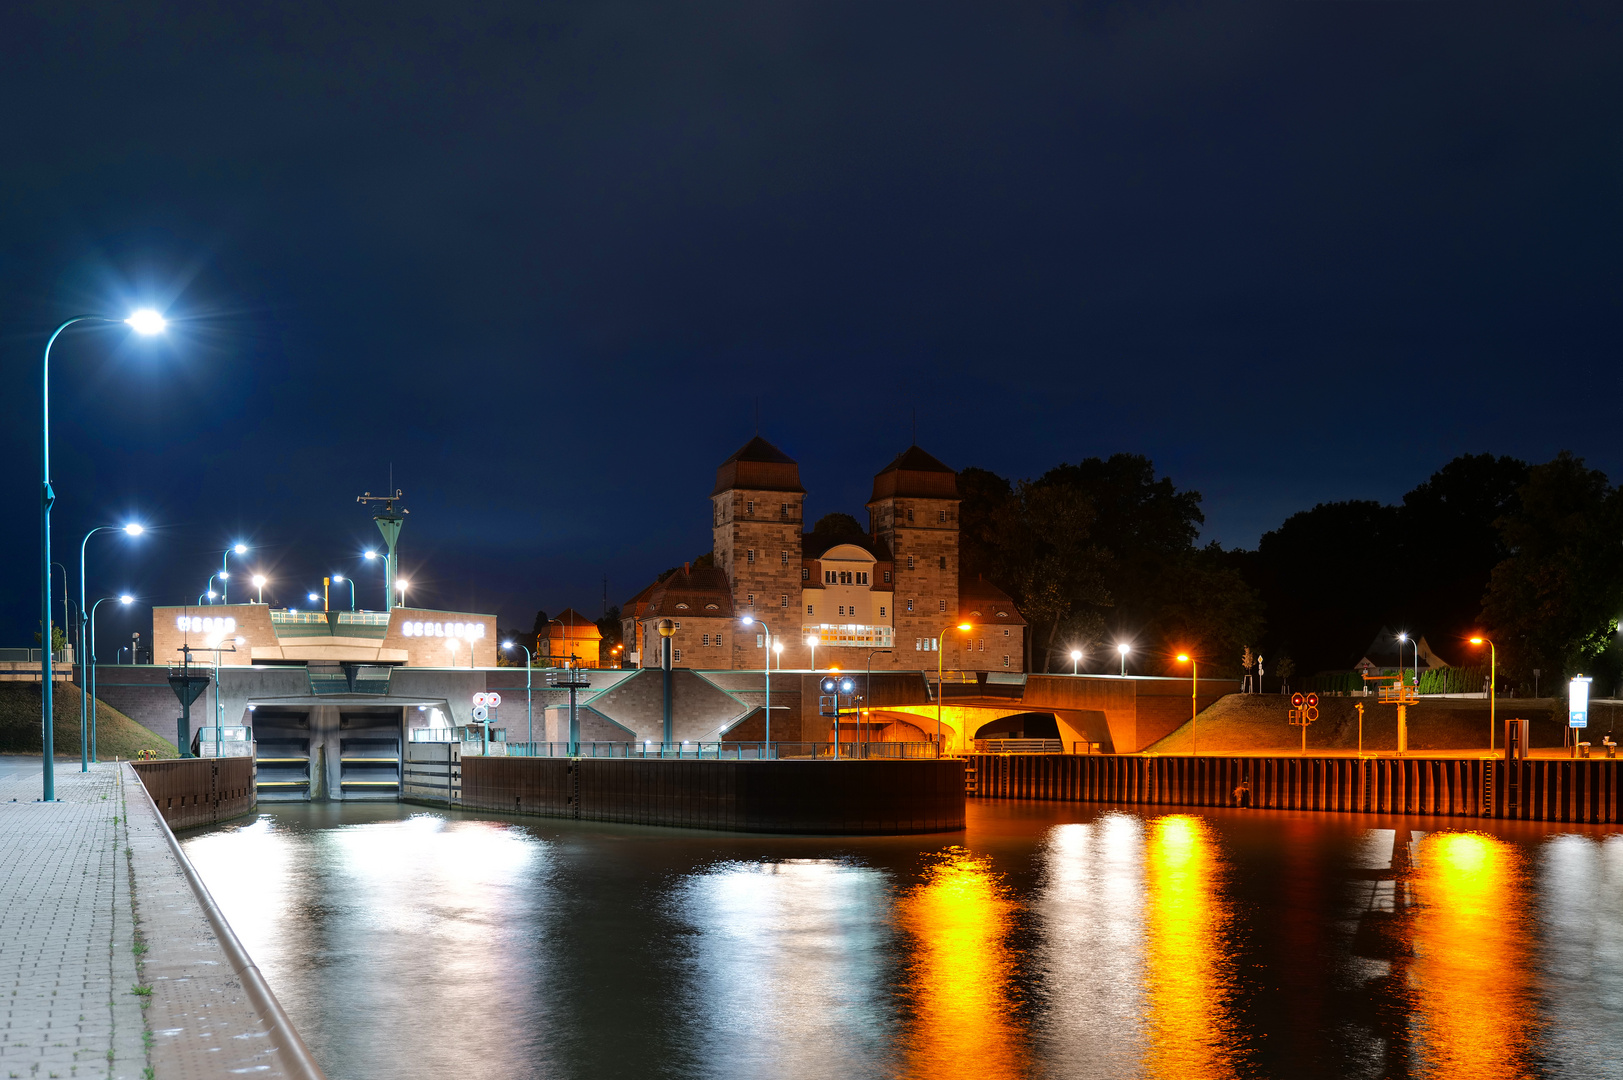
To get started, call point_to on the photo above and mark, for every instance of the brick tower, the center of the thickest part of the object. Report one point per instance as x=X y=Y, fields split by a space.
x=914 y=510
x=757 y=510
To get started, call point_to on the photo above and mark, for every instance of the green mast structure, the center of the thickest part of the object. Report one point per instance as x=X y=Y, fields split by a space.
x=389 y=521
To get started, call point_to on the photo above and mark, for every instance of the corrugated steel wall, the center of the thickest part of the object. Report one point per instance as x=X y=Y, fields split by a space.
x=851 y=797
x=1539 y=790
x=200 y=791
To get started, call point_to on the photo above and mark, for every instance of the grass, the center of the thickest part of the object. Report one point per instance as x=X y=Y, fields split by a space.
x=116 y=734
x=1257 y=723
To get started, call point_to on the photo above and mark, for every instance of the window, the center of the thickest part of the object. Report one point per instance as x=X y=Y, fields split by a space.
x=918 y=644
x=783 y=510
x=678 y=657
x=1005 y=659
x=910 y=604
x=783 y=556
x=909 y=513
x=809 y=610
x=941 y=515
x=981 y=646
x=749 y=557
x=887 y=577
x=842 y=609
x=910 y=562
x=677 y=624
x=749 y=507
x=752 y=601
x=760 y=641
x=1005 y=631
x=943 y=562
x=706 y=639
x=805 y=573
x=943 y=605
x=785 y=600
x=881 y=613
x=862 y=577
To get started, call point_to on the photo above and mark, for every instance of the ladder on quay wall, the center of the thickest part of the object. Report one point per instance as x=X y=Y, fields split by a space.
x=972 y=784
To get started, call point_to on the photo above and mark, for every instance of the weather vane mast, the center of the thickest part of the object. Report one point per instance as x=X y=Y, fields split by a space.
x=389 y=523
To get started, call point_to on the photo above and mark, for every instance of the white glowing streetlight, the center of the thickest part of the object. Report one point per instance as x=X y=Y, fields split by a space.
x=259 y=583
x=1124 y=649
x=811 y=643
x=146 y=321
x=401 y=584
x=1076 y=661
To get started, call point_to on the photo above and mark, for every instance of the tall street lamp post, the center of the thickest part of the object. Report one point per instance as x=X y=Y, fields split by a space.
x=125 y=599
x=1493 y=679
x=940 y=682
x=1076 y=661
x=342 y=580
x=868 y=692
x=529 y=722
x=225 y=573
x=1194 y=700
x=1124 y=649
x=87 y=750
x=144 y=322
x=259 y=583
x=766 y=640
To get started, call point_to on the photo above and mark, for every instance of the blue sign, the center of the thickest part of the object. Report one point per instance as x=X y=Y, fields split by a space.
x=1578 y=702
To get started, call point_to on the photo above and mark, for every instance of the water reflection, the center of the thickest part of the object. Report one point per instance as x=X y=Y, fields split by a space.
x=1471 y=982
x=788 y=968
x=961 y=973
x=1187 y=970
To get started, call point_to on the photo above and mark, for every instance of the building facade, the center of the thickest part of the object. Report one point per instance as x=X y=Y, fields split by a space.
x=891 y=597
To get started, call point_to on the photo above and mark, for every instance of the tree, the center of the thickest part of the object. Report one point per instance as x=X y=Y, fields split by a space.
x=836 y=525
x=1553 y=603
x=609 y=627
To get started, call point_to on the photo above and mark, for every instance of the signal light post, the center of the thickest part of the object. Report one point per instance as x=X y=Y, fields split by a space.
x=1304 y=711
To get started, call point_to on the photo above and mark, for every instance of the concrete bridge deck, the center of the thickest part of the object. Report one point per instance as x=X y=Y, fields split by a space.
x=88 y=881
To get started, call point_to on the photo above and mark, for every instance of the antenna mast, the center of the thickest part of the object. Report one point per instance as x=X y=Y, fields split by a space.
x=389 y=523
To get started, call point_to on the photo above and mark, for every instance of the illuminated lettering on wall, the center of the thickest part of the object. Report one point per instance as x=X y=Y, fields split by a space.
x=471 y=631
x=197 y=624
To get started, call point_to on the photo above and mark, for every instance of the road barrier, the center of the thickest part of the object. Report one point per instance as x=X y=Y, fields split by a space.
x=1565 y=790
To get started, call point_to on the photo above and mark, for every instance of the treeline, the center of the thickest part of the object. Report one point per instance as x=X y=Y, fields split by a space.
x=1105 y=551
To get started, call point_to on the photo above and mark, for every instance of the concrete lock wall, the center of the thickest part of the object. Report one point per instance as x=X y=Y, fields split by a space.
x=825 y=797
x=202 y=791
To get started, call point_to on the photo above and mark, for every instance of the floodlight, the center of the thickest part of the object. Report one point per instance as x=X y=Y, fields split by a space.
x=134 y=528
x=147 y=321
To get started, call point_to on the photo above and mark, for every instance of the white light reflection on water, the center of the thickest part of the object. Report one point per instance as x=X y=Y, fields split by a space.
x=1090 y=909
x=1580 y=881
x=787 y=968
x=369 y=926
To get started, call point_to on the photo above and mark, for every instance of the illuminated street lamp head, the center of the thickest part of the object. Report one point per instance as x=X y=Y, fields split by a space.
x=965 y=626
x=126 y=599
x=1183 y=658
x=777 y=646
x=371 y=554
x=240 y=549
x=1403 y=637
x=401 y=583
x=1124 y=648
x=314 y=598
x=338 y=577
x=134 y=528
x=1476 y=641
x=223 y=576
x=811 y=640
x=212 y=594
x=146 y=321
x=1076 y=654
x=259 y=581
x=747 y=620
x=507 y=644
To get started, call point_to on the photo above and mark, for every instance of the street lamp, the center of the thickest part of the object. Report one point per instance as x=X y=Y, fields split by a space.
x=342 y=580
x=235 y=549
x=750 y=620
x=401 y=583
x=1124 y=649
x=87 y=753
x=370 y=555
x=314 y=598
x=940 y=679
x=1194 y=702
x=145 y=322
x=529 y=722
x=126 y=599
x=1493 y=677
x=259 y=583
x=1076 y=661
x=811 y=643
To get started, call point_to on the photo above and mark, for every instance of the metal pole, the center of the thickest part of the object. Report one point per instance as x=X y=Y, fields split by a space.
x=1194 y=702
x=939 y=682
x=665 y=665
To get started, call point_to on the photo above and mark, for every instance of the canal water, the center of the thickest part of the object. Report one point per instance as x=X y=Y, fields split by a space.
x=1047 y=940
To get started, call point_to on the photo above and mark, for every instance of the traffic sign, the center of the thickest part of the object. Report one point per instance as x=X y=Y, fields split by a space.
x=480 y=714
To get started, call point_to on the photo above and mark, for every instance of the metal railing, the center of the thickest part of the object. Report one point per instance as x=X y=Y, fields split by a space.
x=726 y=751
x=1019 y=746
x=26 y=656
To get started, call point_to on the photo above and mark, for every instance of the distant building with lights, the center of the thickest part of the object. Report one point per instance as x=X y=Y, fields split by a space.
x=572 y=640
x=883 y=597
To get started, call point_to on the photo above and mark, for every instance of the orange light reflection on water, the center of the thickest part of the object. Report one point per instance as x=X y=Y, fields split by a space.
x=960 y=976
x=1187 y=971
x=1470 y=975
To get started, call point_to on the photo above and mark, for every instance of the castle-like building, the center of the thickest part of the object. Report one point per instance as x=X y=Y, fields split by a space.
x=884 y=597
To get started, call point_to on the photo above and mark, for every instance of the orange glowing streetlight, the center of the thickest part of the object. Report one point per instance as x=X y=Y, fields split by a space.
x=1194 y=701
x=1493 y=677
x=940 y=678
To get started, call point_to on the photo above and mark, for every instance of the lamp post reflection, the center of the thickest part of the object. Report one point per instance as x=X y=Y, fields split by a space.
x=961 y=975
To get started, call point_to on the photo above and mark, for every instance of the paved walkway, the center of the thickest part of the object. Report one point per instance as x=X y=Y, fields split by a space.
x=67 y=965
x=86 y=881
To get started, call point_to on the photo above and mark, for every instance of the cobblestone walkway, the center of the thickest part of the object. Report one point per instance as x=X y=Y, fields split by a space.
x=67 y=965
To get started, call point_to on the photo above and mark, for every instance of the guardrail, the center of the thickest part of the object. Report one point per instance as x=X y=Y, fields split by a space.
x=726 y=751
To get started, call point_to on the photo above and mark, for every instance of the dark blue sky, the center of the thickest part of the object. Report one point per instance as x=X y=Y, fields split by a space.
x=544 y=258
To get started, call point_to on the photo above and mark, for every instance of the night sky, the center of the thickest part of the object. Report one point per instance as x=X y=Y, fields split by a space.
x=544 y=260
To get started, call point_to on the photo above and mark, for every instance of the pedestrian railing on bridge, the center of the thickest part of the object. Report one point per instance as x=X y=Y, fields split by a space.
x=727 y=751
